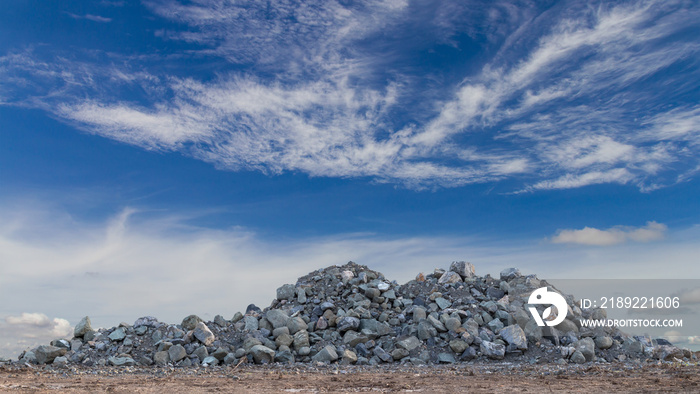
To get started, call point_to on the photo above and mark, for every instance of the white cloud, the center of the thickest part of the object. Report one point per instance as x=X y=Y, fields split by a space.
x=18 y=333
x=566 y=102
x=616 y=235
x=90 y=17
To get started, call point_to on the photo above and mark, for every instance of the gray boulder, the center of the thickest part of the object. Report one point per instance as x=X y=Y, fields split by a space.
x=277 y=317
x=262 y=354
x=515 y=336
x=286 y=292
x=449 y=277
x=204 y=334
x=587 y=347
x=190 y=322
x=604 y=342
x=346 y=323
x=121 y=361
x=492 y=350
x=177 y=353
x=118 y=334
x=510 y=274
x=45 y=354
x=82 y=328
x=463 y=268
x=577 y=357
x=408 y=343
x=326 y=355
x=161 y=358
x=446 y=358
x=60 y=361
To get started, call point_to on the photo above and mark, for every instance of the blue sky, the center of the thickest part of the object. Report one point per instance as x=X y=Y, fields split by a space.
x=142 y=140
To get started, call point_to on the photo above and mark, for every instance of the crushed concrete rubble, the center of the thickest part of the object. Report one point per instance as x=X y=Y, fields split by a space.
x=354 y=315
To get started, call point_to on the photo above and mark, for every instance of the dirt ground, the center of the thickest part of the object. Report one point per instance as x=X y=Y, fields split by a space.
x=611 y=378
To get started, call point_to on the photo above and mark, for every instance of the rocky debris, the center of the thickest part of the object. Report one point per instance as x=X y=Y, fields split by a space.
x=354 y=315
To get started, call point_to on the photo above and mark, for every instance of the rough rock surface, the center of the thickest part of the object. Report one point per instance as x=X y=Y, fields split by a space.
x=354 y=315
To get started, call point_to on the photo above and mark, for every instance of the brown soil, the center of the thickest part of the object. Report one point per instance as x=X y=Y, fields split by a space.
x=428 y=379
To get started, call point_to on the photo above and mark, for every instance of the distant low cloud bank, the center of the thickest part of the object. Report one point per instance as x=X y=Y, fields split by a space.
x=653 y=231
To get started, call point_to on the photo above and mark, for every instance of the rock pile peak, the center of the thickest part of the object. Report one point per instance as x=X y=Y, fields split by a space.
x=351 y=314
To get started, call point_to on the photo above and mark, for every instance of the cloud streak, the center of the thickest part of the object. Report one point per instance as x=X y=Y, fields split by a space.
x=575 y=103
x=616 y=235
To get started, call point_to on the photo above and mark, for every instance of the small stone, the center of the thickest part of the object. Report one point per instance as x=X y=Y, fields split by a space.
x=446 y=358
x=177 y=353
x=201 y=352
x=463 y=268
x=346 y=323
x=495 y=325
x=458 y=346
x=45 y=354
x=398 y=353
x=262 y=354
x=408 y=343
x=61 y=343
x=220 y=353
x=382 y=354
x=515 y=336
x=453 y=324
x=587 y=347
x=321 y=324
x=204 y=334
x=301 y=339
x=509 y=274
x=383 y=286
x=210 y=360
x=83 y=327
x=296 y=324
x=251 y=323
x=118 y=334
x=301 y=295
x=346 y=276
x=443 y=303
x=276 y=317
x=60 y=362
x=285 y=357
x=230 y=359
x=238 y=316
x=493 y=350
x=219 y=321
x=121 y=361
x=190 y=322
x=145 y=360
x=161 y=358
x=604 y=342
x=326 y=355
x=449 y=277
x=286 y=292
x=349 y=357
x=419 y=313
x=578 y=358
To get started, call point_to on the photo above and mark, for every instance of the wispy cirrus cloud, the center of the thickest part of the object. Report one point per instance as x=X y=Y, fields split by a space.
x=90 y=17
x=572 y=97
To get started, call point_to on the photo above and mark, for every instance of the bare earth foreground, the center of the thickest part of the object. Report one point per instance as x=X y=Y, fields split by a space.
x=601 y=378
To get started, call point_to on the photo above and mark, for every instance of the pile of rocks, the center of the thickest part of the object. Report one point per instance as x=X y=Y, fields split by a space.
x=353 y=315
